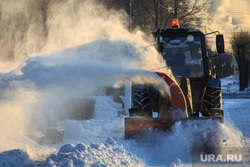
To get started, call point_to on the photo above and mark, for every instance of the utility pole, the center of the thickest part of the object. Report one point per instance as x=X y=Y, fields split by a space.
x=175 y=9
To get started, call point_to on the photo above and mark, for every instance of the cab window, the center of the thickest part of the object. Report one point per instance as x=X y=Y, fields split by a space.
x=183 y=56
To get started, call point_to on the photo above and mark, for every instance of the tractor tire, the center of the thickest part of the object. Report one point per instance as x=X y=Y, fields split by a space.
x=147 y=99
x=212 y=103
x=141 y=102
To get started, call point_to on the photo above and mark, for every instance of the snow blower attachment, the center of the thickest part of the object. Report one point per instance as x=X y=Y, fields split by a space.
x=196 y=96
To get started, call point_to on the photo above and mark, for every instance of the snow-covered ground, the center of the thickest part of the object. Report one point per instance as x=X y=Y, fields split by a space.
x=99 y=142
x=106 y=141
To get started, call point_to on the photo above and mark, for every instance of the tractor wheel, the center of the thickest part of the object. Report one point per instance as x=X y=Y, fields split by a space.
x=141 y=102
x=212 y=102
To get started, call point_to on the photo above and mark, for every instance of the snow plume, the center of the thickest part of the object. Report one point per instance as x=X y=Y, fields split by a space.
x=228 y=16
x=31 y=27
x=174 y=148
x=82 y=48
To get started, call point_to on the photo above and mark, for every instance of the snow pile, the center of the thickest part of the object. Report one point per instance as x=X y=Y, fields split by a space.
x=237 y=119
x=102 y=154
x=230 y=84
x=105 y=123
x=14 y=157
x=156 y=148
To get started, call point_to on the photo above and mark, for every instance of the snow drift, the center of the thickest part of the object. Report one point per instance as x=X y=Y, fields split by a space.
x=101 y=154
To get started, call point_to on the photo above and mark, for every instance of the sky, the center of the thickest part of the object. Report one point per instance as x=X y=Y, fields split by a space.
x=229 y=16
x=234 y=13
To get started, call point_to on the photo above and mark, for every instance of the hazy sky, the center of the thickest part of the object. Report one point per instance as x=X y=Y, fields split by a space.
x=229 y=16
x=232 y=15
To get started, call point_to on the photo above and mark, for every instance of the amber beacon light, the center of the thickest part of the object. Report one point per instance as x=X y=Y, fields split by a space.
x=175 y=23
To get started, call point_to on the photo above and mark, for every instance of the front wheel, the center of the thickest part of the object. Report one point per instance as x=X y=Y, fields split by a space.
x=212 y=102
x=141 y=102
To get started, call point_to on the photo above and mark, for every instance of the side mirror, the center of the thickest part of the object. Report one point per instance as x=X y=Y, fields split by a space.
x=220 y=43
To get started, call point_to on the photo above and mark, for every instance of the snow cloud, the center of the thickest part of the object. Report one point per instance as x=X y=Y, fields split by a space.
x=42 y=27
x=229 y=16
x=82 y=46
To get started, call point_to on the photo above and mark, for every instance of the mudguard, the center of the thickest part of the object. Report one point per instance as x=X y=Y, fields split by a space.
x=177 y=97
x=214 y=82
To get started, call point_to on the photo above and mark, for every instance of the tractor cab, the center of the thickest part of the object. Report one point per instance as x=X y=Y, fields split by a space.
x=183 y=50
x=183 y=55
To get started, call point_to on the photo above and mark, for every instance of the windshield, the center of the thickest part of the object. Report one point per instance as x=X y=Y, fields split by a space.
x=183 y=55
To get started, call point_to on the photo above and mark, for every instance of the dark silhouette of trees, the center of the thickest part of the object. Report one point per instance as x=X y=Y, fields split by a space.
x=151 y=14
x=223 y=64
x=240 y=42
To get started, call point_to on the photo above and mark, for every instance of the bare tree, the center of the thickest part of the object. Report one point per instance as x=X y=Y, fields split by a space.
x=223 y=64
x=240 y=42
x=151 y=14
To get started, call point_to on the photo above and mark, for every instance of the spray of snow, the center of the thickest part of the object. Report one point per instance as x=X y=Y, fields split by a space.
x=97 y=50
x=46 y=26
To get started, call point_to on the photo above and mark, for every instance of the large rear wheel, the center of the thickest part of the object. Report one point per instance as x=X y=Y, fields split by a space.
x=212 y=102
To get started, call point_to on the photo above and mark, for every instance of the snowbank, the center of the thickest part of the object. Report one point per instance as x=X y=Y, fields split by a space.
x=102 y=154
x=15 y=157
x=230 y=84
x=157 y=149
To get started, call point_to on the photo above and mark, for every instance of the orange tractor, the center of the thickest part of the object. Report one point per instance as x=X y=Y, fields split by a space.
x=195 y=94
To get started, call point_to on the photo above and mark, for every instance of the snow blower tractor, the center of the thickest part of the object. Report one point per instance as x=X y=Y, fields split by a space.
x=195 y=92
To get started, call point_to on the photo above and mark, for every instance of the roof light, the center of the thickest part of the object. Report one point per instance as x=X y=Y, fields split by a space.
x=175 y=23
x=190 y=38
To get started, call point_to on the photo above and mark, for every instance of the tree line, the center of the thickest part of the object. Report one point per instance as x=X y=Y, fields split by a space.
x=151 y=14
x=240 y=42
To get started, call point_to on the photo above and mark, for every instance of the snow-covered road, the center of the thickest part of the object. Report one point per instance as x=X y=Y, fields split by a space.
x=99 y=141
